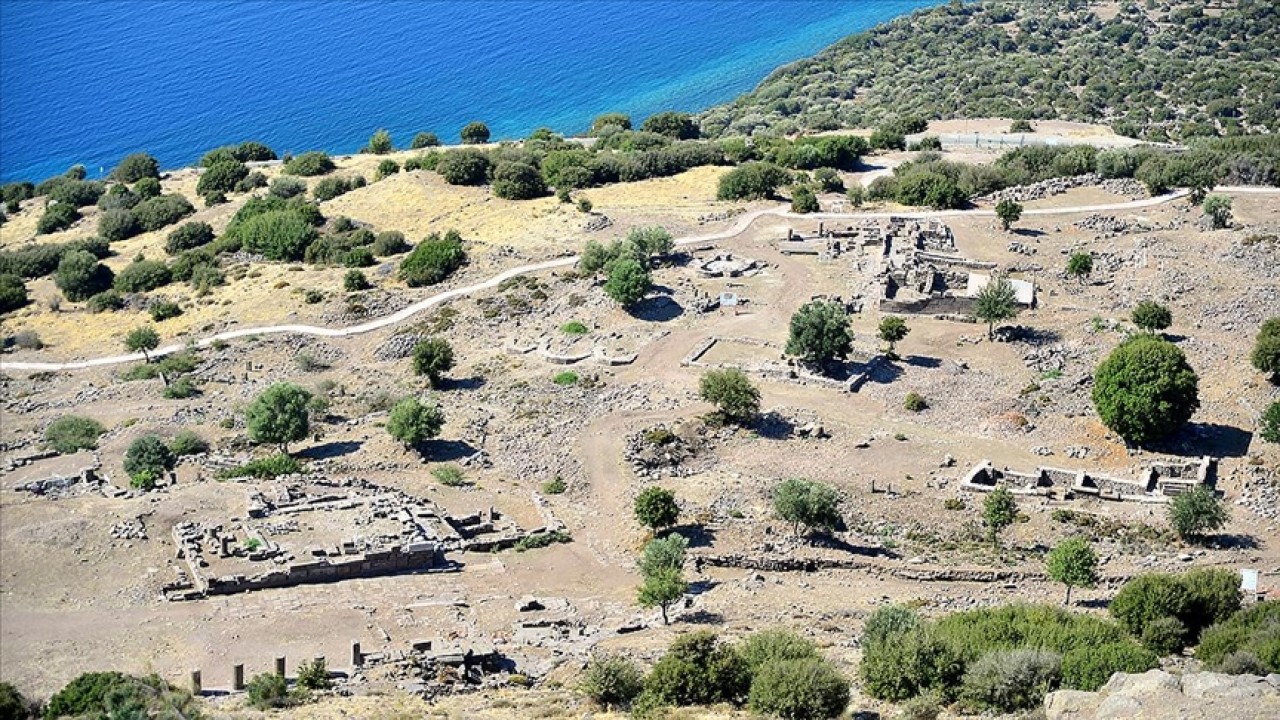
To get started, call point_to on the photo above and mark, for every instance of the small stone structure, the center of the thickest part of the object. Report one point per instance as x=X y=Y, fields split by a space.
x=727 y=265
x=780 y=369
x=1156 y=482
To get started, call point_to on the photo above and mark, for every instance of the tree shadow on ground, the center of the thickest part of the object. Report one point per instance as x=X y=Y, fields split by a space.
x=922 y=361
x=330 y=450
x=701 y=617
x=831 y=542
x=698 y=587
x=884 y=372
x=1236 y=541
x=1197 y=439
x=1028 y=335
x=656 y=309
x=445 y=450
x=774 y=426
x=699 y=536
x=472 y=383
x=1095 y=604
x=1028 y=232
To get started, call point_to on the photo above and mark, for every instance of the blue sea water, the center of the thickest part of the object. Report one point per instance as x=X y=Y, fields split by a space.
x=90 y=82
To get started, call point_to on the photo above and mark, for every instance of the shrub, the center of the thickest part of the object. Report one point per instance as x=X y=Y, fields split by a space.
x=1266 y=349
x=80 y=276
x=146 y=188
x=611 y=681
x=1269 y=427
x=1008 y=680
x=887 y=138
x=286 y=187
x=358 y=258
x=379 y=143
x=354 y=281
x=1197 y=599
x=143 y=276
x=72 y=433
x=1008 y=212
x=584 y=205
x=766 y=647
x=277 y=234
x=279 y=415
x=475 y=133
x=57 y=217
x=77 y=193
x=135 y=167
x=205 y=277
x=433 y=260
x=116 y=225
x=1165 y=636
x=181 y=389
x=914 y=402
x=1196 y=512
x=185 y=265
x=819 y=332
x=675 y=125
x=148 y=454
x=412 y=421
x=554 y=486
x=222 y=177
x=1145 y=390
x=313 y=675
x=751 y=181
x=263 y=468
x=424 y=140
x=574 y=328
x=113 y=694
x=1254 y=631
x=331 y=187
x=385 y=168
x=905 y=662
x=463 y=167
x=807 y=504
x=1089 y=667
x=252 y=181
x=629 y=281
x=517 y=181
x=1152 y=316
x=187 y=442
x=187 y=236
x=267 y=691
x=13 y=293
x=732 y=393
x=449 y=475
x=803 y=200
x=389 y=242
x=432 y=357
x=566 y=378
x=164 y=310
x=308 y=164
x=656 y=508
x=158 y=212
x=806 y=689
x=697 y=670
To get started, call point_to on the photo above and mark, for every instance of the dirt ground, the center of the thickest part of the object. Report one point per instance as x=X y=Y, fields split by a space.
x=73 y=599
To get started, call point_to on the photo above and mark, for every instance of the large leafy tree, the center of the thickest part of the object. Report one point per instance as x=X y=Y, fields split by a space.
x=629 y=281
x=1197 y=512
x=412 y=421
x=735 y=397
x=1009 y=212
x=280 y=415
x=996 y=302
x=1074 y=564
x=820 y=332
x=661 y=588
x=892 y=330
x=142 y=339
x=1266 y=349
x=432 y=357
x=656 y=508
x=807 y=505
x=1145 y=389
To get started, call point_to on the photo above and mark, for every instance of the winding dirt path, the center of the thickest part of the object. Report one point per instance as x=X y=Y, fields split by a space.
x=735 y=230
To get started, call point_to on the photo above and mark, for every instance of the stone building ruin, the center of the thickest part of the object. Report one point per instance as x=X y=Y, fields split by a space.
x=1157 y=482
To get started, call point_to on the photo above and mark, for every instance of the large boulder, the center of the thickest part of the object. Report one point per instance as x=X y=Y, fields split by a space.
x=1158 y=695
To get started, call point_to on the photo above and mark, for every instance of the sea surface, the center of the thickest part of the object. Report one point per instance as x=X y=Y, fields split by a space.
x=90 y=82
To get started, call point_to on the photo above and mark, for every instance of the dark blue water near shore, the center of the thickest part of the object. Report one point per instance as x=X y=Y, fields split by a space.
x=89 y=82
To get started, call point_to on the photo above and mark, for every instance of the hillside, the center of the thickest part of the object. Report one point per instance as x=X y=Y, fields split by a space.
x=1169 y=69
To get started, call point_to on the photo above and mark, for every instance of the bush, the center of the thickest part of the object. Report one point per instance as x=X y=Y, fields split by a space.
x=77 y=193
x=1152 y=316
x=412 y=421
x=389 y=242
x=751 y=181
x=286 y=187
x=180 y=389
x=433 y=260
x=189 y=235
x=1196 y=512
x=424 y=140
x=267 y=691
x=143 y=276
x=164 y=310
x=308 y=164
x=331 y=187
x=386 y=168
x=1197 y=599
x=57 y=217
x=914 y=402
x=135 y=167
x=80 y=276
x=432 y=357
x=379 y=143
x=222 y=177
x=803 y=200
x=475 y=133
x=1145 y=390
x=205 y=277
x=449 y=476
x=732 y=393
x=697 y=670
x=611 y=681
x=1269 y=426
x=279 y=415
x=360 y=257
x=314 y=675
x=629 y=281
x=1165 y=636
x=158 y=212
x=807 y=689
x=13 y=293
x=517 y=181
x=115 y=695
x=252 y=181
x=146 y=188
x=277 y=234
x=117 y=225
x=767 y=647
x=150 y=455
x=807 y=504
x=565 y=378
x=656 y=508
x=905 y=662
x=72 y=433
x=1266 y=348
x=463 y=167
x=1008 y=680
x=1251 y=635
x=819 y=332
x=355 y=281
x=263 y=468
x=187 y=442
x=1089 y=667
x=675 y=125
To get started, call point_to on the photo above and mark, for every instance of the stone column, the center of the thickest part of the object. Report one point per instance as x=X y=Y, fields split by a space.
x=357 y=657
x=195 y=682
x=237 y=677
x=280 y=666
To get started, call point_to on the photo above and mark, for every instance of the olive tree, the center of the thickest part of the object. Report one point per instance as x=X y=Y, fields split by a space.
x=996 y=302
x=656 y=508
x=661 y=588
x=629 y=281
x=1152 y=316
x=736 y=399
x=412 y=421
x=1009 y=212
x=819 y=332
x=432 y=357
x=807 y=505
x=142 y=339
x=1196 y=512
x=999 y=511
x=475 y=133
x=280 y=415
x=1145 y=389
x=1218 y=209
x=892 y=329
x=1074 y=564
x=1266 y=349
x=1080 y=265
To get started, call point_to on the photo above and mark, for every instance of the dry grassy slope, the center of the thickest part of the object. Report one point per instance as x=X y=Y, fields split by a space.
x=414 y=203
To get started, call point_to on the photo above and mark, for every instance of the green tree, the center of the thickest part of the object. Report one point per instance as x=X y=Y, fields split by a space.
x=1080 y=265
x=807 y=504
x=277 y=234
x=13 y=706
x=1269 y=427
x=628 y=282
x=475 y=133
x=148 y=458
x=72 y=433
x=222 y=176
x=135 y=167
x=424 y=140
x=463 y=167
x=1145 y=389
x=995 y=302
x=280 y=415
x=1074 y=564
x=1196 y=512
x=675 y=125
x=820 y=332
x=697 y=669
x=999 y=511
x=1152 y=316
x=1266 y=349
x=774 y=645
x=188 y=236
x=807 y=689
x=268 y=690
x=308 y=164
x=432 y=357
x=621 y=121
x=142 y=339
x=355 y=281
x=412 y=421
x=892 y=330
x=517 y=181
x=1009 y=212
x=803 y=200
x=611 y=681
x=662 y=588
x=663 y=553
x=751 y=181
x=651 y=240
x=143 y=276
x=380 y=143
x=1218 y=209
x=80 y=276
x=656 y=508
x=13 y=293
x=733 y=394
